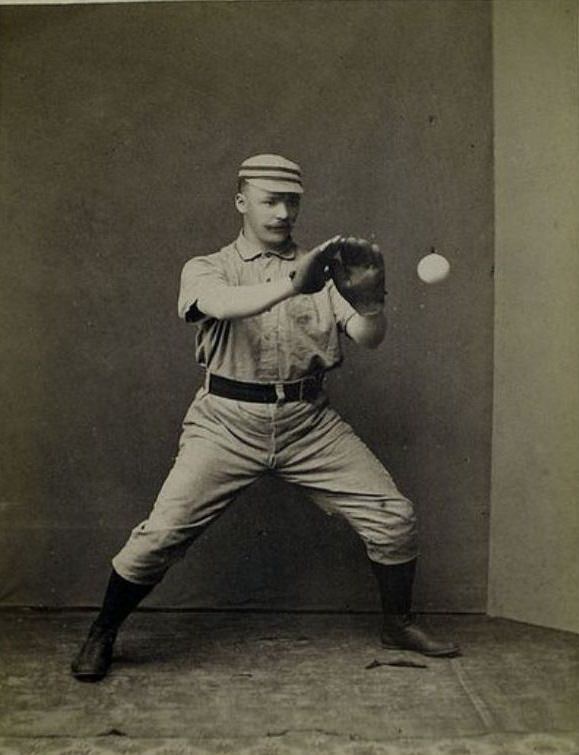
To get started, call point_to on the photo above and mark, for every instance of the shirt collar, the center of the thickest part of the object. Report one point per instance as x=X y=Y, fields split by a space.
x=248 y=252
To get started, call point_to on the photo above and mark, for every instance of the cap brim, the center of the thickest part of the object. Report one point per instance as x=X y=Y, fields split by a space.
x=276 y=185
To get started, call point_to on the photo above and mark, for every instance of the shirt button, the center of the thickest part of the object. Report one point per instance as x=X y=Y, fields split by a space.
x=268 y=280
x=268 y=254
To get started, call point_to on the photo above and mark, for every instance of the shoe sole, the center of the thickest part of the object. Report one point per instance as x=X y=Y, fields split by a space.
x=442 y=654
x=88 y=677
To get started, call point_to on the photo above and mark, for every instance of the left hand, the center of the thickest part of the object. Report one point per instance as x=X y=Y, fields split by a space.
x=357 y=269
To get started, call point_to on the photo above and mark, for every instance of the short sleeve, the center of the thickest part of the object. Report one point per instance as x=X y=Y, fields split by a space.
x=199 y=276
x=343 y=310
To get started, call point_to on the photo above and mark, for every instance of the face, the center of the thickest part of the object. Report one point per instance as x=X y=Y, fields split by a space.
x=268 y=217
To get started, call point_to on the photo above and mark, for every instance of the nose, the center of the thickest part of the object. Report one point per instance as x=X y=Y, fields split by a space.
x=281 y=211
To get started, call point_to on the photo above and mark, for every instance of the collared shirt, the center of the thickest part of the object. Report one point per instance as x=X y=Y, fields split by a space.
x=296 y=337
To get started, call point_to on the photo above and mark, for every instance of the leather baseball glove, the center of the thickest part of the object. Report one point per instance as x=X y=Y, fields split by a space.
x=357 y=269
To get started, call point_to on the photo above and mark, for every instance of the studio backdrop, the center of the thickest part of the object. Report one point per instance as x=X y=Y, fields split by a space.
x=122 y=129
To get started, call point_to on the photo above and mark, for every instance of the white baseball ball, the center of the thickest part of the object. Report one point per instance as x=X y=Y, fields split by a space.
x=433 y=268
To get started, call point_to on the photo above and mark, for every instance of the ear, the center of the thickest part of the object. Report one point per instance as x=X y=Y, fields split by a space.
x=240 y=203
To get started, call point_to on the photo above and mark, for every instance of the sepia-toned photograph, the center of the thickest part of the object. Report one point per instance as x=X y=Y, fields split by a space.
x=289 y=364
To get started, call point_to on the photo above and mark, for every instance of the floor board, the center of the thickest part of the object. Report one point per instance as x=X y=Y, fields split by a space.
x=287 y=683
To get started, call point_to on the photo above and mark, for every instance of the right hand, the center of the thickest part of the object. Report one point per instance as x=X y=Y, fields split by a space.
x=311 y=272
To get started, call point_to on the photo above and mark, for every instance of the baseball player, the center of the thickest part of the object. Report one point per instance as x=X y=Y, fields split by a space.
x=269 y=318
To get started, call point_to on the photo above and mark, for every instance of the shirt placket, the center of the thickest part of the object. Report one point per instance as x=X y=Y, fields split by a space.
x=281 y=325
x=269 y=341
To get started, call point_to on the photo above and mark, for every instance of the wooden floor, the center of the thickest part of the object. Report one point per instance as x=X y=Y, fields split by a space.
x=273 y=684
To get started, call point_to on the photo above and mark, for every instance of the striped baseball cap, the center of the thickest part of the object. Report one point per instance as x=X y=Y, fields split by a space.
x=272 y=173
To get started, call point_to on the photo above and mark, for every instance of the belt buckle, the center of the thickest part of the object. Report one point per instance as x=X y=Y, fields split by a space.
x=279 y=392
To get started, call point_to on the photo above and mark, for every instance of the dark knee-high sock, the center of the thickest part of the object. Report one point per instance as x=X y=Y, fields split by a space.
x=395 y=582
x=121 y=597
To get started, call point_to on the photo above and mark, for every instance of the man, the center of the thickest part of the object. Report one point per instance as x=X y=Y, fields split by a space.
x=269 y=318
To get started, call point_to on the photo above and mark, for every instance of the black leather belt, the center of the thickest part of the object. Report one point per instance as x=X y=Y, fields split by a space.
x=307 y=389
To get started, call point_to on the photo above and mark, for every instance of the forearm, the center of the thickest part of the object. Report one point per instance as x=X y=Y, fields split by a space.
x=233 y=302
x=367 y=330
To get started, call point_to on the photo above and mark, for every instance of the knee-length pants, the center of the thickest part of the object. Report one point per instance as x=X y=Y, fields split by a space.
x=226 y=445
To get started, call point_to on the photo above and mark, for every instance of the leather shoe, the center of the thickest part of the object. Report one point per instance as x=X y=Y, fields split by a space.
x=94 y=658
x=402 y=633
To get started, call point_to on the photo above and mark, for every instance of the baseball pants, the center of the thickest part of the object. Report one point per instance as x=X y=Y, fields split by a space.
x=226 y=445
